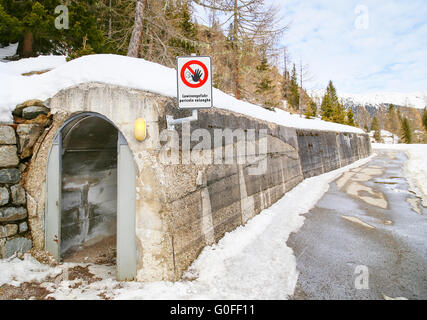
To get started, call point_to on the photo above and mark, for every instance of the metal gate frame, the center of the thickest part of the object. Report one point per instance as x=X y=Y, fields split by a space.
x=126 y=200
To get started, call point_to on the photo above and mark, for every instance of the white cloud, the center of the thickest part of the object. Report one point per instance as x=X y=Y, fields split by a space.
x=390 y=55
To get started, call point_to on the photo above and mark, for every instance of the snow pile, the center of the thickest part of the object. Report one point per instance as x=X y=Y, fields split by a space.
x=386 y=136
x=128 y=72
x=409 y=99
x=40 y=63
x=14 y=271
x=8 y=51
x=415 y=168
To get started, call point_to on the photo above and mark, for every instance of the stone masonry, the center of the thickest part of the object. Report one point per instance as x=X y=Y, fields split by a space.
x=17 y=142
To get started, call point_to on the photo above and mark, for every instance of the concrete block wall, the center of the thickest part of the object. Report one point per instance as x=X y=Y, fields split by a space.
x=321 y=151
x=229 y=196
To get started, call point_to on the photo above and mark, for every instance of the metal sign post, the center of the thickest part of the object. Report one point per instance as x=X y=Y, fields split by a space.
x=194 y=76
x=194 y=86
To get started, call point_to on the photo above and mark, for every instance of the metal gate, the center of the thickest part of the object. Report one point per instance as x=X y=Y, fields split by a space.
x=126 y=201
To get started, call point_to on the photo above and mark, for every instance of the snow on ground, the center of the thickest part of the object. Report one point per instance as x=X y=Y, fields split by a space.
x=8 y=51
x=251 y=262
x=129 y=72
x=41 y=63
x=15 y=271
x=415 y=168
x=386 y=136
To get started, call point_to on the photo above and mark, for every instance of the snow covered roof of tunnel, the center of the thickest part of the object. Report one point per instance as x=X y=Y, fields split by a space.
x=124 y=71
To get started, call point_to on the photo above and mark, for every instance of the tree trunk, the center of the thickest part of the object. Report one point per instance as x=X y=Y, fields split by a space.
x=109 y=20
x=25 y=49
x=150 y=47
x=236 y=52
x=136 y=39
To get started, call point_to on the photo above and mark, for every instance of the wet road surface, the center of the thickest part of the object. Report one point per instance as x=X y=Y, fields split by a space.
x=366 y=238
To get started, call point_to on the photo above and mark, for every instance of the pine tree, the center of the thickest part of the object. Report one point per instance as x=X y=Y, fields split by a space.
x=339 y=114
x=392 y=124
x=326 y=108
x=32 y=24
x=406 y=134
x=376 y=128
x=350 y=117
x=330 y=106
x=180 y=16
x=264 y=86
x=294 y=90
x=399 y=115
x=10 y=27
x=311 y=110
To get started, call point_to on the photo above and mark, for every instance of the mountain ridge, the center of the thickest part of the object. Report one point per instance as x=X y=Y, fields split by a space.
x=417 y=99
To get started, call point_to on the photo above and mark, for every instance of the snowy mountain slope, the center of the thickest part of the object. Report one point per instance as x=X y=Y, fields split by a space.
x=414 y=99
x=128 y=72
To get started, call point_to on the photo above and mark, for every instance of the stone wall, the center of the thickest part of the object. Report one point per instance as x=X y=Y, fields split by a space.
x=16 y=148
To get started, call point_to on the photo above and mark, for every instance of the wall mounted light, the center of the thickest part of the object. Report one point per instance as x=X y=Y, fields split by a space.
x=140 y=129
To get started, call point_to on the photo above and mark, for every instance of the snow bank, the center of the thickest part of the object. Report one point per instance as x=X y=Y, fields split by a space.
x=8 y=51
x=14 y=271
x=415 y=168
x=129 y=72
x=40 y=63
x=386 y=136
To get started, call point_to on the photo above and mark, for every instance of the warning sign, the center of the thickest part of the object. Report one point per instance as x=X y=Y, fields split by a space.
x=194 y=82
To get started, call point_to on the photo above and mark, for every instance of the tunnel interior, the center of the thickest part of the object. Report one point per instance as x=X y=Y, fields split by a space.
x=89 y=191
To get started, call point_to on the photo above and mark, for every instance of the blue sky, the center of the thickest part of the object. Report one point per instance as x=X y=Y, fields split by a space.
x=362 y=46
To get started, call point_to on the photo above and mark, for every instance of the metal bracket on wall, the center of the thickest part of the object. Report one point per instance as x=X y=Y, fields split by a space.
x=171 y=122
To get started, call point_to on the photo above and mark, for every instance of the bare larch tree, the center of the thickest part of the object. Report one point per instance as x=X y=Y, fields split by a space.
x=136 y=38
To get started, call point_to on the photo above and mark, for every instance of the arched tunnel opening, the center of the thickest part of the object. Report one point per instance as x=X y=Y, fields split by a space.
x=89 y=191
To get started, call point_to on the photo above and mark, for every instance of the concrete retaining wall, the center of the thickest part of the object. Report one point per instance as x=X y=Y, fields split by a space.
x=321 y=152
x=230 y=196
x=181 y=208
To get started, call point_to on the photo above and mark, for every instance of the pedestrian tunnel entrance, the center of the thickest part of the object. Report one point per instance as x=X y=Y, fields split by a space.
x=90 y=212
x=89 y=191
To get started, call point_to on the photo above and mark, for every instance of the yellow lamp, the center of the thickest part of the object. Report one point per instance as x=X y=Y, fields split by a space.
x=140 y=129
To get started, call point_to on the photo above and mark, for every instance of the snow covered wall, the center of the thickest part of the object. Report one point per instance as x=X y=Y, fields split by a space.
x=183 y=206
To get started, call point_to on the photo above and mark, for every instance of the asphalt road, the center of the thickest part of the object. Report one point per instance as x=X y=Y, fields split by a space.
x=366 y=238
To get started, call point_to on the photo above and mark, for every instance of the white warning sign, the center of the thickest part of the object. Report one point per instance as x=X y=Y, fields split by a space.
x=194 y=76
